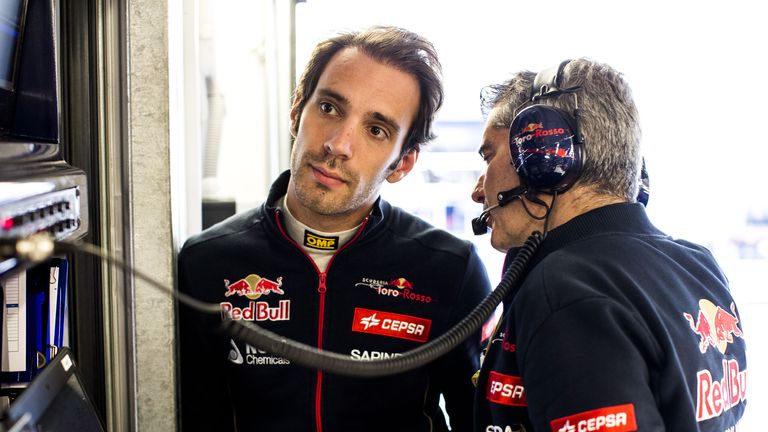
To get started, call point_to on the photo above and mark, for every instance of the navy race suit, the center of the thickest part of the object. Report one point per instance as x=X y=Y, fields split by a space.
x=616 y=327
x=395 y=285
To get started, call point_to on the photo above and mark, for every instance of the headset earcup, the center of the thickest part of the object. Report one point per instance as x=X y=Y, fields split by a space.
x=545 y=154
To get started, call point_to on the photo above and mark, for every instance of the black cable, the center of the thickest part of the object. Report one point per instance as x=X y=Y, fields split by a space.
x=343 y=365
x=312 y=357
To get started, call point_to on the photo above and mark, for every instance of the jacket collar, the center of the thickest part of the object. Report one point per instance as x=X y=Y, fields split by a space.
x=629 y=218
x=280 y=187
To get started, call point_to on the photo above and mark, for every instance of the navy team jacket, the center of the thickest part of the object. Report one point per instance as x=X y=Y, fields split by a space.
x=616 y=327
x=396 y=285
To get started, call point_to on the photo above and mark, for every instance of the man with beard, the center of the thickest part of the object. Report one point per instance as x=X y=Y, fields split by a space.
x=326 y=262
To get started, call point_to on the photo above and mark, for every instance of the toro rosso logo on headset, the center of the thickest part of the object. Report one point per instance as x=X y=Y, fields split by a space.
x=536 y=130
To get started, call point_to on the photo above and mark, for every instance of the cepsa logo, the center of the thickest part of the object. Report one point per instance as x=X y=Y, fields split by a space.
x=391 y=324
x=714 y=326
x=397 y=287
x=506 y=389
x=619 y=418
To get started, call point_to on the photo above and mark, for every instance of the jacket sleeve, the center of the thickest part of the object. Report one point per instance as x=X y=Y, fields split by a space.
x=455 y=370
x=590 y=359
x=203 y=393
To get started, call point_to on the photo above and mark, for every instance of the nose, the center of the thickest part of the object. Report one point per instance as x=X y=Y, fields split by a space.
x=339 y=144
x=478 y=194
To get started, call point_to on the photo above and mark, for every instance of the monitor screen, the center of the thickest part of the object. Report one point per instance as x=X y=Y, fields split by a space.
x=11 y=23
x=54 y=401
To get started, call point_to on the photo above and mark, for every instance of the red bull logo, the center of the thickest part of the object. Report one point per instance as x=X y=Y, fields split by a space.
x=253 y=286
x=714 y=325
x=713 y=396
x=532 y=127
x=401 y=283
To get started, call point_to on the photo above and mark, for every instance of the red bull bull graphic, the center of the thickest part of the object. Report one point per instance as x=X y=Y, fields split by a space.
x=532 y=127
x=253 y=286
x=401 y=283
x=714 y=325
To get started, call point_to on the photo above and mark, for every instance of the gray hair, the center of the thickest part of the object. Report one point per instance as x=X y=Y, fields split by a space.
x=609 y=121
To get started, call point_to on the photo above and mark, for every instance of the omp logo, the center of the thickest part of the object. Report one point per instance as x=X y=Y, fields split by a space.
x=316 y=241
x=369 y=321
x=618 y=418
x=391 y=324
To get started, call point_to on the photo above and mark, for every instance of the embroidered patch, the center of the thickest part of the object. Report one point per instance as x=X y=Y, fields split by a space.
x=253 y=286
x=506 y=389
x=316 y=241
x=391 y=324
x=618 y=418
x=714 y=326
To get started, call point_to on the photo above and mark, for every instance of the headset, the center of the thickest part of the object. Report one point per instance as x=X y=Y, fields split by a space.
x=545 y=142
x=546 y=146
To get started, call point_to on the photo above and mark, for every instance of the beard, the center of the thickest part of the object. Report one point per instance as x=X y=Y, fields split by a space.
x=353 y=194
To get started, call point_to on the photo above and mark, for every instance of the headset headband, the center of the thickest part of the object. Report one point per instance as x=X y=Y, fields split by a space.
x=548 y=81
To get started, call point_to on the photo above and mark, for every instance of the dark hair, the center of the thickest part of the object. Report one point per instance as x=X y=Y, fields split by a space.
x=400 y=48
x=609 y=121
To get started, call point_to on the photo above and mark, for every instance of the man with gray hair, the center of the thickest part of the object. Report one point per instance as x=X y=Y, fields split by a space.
x=613 y=325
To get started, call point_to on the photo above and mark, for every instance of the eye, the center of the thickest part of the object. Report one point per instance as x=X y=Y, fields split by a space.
x=327 y=107
x=379 y=132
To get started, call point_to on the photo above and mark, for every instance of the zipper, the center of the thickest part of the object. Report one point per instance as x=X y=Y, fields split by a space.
x=321 y=289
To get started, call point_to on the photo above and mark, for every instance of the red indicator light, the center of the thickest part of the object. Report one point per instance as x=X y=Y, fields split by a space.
x=7 y=223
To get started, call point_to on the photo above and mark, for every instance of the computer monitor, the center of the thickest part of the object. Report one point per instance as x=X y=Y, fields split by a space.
x=54 y=401
x=29 y=99
x=12 y=15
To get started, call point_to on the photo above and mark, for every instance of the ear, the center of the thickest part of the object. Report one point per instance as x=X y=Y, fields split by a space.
x=404 y=166
x=295 y=116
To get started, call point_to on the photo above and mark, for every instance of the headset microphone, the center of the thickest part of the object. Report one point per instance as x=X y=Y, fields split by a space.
x=480 y=223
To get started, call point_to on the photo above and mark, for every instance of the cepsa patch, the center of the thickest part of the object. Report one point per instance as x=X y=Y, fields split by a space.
x=506 y=390
x=618 y=418
x=391 y=324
